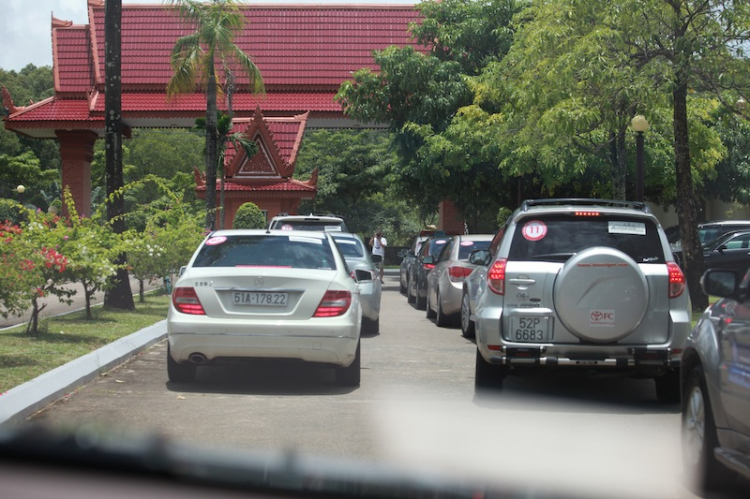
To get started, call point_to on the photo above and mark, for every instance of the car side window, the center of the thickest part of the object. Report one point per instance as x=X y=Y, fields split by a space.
x=496 y=241
x=446 y=253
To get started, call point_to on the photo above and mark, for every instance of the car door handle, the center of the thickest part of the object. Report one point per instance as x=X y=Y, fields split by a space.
x=522 y=282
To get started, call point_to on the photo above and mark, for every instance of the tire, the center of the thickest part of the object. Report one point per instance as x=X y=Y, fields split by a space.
x=179 y=373
x=699 y=437
x=350 y=375
x=420 y=302
x=441 y=319
x=428 y=310
x=467 y=326
x=668 y=387
x=488 y=376
x=371 y=327
x=411 y=298
x=401 y=287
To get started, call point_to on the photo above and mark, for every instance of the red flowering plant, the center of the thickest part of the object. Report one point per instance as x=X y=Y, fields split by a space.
x=18 y=269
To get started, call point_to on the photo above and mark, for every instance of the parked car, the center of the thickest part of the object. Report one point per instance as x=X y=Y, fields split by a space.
x=328 y=223
x=730 y=251
x=409 y=256
x=425 y=262
x=571 y=283
x=716 y=384
x=707 y=231
x=445 y=281
x=367 y=275
x=249 y=294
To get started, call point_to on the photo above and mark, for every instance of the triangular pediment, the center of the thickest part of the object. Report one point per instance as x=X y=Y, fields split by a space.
x=259 y=166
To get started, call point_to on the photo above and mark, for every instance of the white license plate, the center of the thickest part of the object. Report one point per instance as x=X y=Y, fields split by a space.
x=260 y=299
x=530 y=329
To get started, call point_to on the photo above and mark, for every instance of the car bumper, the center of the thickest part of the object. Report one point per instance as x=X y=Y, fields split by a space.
x=450 y=298
x=325 y=340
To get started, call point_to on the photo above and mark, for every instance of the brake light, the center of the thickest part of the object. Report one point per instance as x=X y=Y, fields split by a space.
x=333 y=304
x=496 y=276
x=428 y=266
x=587 y=213
x=676 y=280
x=458 y=273
x=185 y=300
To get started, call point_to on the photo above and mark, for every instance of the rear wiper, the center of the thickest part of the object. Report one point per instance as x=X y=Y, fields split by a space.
x=553 y=257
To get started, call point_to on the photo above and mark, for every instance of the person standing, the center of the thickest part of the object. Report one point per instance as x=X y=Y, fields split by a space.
x=378 y=243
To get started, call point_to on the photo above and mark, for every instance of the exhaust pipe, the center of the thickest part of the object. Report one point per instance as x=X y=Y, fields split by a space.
x=198 y=358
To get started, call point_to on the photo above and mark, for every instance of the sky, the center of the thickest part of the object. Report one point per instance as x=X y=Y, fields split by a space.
x=25 y=25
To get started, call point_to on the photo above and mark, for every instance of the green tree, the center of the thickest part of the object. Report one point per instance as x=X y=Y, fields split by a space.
x=25 y=169
x=194 y=59
x=249 y=216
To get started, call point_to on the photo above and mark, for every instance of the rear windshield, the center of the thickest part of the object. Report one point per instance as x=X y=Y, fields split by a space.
x=560 y=237
x=296 y=252
x=466 y=247
x=349 y=247
x=436 y=246
x=309 y=225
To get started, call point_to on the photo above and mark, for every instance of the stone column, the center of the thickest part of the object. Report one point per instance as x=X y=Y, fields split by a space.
x=77 y=151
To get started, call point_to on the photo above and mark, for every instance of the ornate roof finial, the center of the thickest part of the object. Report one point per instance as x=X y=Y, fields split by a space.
x=60 y=23
x=10 y=108
x=200 y=179
x=96 y=3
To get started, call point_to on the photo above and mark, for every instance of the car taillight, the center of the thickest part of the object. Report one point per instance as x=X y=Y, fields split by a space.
x=496 y=276
x=185 y=300
x=676 y=280
x=428 y=266
x=457 y=273
x=333 y=304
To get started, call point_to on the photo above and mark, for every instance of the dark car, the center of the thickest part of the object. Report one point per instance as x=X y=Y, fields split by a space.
x=716 y=384
x=730 y=252
x=707 y=231
x=409 y=256
x=424 y=263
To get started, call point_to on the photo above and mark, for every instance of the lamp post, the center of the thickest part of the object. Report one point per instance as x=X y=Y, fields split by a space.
x=20 y=190
x=640 y=125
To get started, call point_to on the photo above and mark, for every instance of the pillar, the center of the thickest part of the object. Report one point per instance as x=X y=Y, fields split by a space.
x=76 y=152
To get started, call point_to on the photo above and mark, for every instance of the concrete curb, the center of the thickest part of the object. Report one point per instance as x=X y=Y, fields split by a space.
x=24 y=400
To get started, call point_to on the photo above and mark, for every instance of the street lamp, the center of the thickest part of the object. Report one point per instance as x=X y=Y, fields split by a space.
x=20 y=189
x=640 y=125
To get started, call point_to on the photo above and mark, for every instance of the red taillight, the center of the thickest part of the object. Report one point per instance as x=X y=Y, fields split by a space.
x=587 y=213
x=496 y=276
x=428 y=266
x=676 y=280
x=458 y=273
x=333 y=304
x=185 y=300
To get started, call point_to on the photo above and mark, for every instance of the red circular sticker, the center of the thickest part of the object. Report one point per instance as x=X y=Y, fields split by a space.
x=215 y=240
x=534 y=230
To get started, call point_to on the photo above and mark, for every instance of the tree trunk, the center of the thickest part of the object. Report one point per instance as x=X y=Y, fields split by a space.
x=119 y=296
x=619 y=165
x=686 y=212
x=211 y=150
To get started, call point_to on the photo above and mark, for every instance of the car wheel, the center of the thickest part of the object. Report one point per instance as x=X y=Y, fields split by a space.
x=467 y=326
x=429 y=312
x=410 y=297
x=421 y=302
x=371 y=327
x=441 y=319
x=488 y=376
x=179 y=373
x=699 y=437
x=350 y=375
x=668 y=387
x=401 y=286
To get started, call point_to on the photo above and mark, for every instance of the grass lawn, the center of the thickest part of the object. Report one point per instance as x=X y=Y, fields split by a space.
x=68 y=337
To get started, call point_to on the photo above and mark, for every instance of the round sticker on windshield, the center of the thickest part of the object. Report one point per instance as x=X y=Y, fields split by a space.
x=287 y=227
x=534 y=230
x=216 y=240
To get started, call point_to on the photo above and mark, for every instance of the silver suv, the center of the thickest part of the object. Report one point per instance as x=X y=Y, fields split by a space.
x=578 y=283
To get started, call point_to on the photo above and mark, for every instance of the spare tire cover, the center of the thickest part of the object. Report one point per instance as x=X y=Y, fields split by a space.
x=601 y=295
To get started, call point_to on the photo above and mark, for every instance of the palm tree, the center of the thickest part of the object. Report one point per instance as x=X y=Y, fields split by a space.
x=194 y=59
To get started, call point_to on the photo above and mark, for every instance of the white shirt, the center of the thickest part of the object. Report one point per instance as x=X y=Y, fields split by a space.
x=377 y=247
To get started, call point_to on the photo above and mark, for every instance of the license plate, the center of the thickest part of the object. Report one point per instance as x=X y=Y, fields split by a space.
x=530 y=329
x=260 y=299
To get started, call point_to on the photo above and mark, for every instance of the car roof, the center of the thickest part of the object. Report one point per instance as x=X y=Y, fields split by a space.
x=273 y=232
x=298 y=218
x=724 y=222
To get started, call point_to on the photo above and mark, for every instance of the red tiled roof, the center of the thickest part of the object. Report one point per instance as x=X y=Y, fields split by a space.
x=298 y=46
x=55 y=109
x=72 y=59
x=284 y=185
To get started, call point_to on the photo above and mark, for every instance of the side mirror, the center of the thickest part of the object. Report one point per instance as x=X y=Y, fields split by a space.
x=361 y=275
x=182 y=271
x=480 y=257
x=721 y=283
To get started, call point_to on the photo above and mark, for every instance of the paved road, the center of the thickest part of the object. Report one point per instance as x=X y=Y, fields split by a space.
x=416 y=407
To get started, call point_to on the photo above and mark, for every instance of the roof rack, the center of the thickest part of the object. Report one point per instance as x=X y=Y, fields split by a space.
x=638 y=205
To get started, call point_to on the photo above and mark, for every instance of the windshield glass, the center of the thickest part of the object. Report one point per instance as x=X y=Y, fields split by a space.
x=266 y=251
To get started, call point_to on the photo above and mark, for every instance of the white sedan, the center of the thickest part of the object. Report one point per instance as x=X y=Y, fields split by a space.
x=265 y=294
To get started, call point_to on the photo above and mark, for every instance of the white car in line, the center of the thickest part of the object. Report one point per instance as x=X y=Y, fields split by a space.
x=249 y=294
